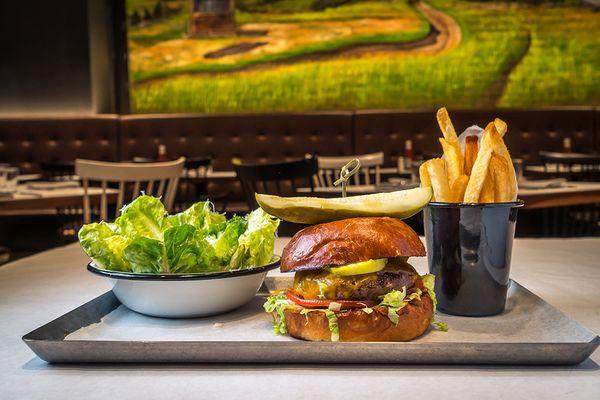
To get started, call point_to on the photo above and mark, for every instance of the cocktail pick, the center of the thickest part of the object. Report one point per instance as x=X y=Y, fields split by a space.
x=346 y=173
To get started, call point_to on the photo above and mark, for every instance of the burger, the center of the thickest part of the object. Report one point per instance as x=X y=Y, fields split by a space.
x=353 y=283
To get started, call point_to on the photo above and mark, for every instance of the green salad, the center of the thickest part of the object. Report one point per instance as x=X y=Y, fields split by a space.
x=145 y=239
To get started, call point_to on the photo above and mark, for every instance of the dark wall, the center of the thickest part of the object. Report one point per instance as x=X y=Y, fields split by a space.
x=45 y=56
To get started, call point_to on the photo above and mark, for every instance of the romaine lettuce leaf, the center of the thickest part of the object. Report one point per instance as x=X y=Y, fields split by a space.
x=226 y=242
x=146 y=256
x=256 y=244
x=195 y=240
x=201 y=216
x=104 y=246
x=142 y=217
x=187 y=251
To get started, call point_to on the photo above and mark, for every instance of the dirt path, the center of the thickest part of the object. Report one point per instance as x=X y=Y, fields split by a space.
x=494 y=93
x=444 y=35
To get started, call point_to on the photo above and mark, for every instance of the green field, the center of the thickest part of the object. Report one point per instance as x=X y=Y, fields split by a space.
x=510 y=55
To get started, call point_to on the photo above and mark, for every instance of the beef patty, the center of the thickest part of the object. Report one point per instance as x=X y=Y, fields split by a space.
x=323 y=284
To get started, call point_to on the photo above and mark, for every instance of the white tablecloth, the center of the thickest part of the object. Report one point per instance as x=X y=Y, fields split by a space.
x=35 y=290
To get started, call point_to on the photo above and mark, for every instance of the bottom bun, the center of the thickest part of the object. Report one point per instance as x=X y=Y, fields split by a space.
x=357 y=326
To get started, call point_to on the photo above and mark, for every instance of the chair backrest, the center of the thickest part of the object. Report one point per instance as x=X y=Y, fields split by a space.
x=194 y=182
x=575 y=166
x=275 y=178
x=156 y=179
x=329 y=169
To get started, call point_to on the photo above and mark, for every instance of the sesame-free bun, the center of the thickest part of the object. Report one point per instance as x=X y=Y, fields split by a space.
x=349 y=241
x=355 y=325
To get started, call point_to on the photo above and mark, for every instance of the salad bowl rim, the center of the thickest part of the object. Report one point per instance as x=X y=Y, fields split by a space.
x=273 y=264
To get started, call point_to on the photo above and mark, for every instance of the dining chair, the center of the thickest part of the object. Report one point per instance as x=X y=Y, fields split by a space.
x=275 y=178
x=576 y=220
x=329 y=169
x=156 y=179
x=573 y=166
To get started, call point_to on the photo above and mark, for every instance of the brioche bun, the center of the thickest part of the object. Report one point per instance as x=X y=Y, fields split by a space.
x=355 y=325
x=349 y=241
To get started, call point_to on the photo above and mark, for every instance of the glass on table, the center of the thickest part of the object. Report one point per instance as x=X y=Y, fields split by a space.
x=8 y=178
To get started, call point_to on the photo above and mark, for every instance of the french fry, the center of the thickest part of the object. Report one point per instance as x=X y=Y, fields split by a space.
x=424 y=175
x=439 y=180
x=452 y=139
x=500 y=174
x=446 y=125
x=453 y=160
x=501 y=127
x=480 y=169
x=501 y=150
x=470 y=152
x=487 y=190
x=458 y=188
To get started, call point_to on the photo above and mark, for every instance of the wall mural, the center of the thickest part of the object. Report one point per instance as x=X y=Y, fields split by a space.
x=215 y=56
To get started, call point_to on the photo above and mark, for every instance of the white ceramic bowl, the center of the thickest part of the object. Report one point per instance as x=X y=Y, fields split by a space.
x=186 y=295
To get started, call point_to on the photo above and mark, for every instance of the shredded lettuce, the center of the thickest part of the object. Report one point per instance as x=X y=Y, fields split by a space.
x=331 y=320
x=333 y=325
x=429 y=283
x=144 y=239
x=322 y=288
x=442 y=326
x=393 y=301
x=278 y=303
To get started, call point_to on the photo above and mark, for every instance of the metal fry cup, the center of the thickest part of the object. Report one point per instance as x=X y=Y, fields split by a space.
x=469 y=249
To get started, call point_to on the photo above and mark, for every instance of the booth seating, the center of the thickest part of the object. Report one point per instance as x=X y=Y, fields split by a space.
x=258 y=138
x=251 y=138
x=26 y=142
x=529 y=131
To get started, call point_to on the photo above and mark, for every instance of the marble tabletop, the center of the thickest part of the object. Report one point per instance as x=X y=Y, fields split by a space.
x=35 y=290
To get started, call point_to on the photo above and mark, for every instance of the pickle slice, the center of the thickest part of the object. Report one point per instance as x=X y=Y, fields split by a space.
x=359 y=268
x=313 y=210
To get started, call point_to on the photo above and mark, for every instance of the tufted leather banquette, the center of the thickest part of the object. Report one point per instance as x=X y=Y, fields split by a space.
x=251 y=138
x=26 y=142
x=597 y=127
x=529 y=130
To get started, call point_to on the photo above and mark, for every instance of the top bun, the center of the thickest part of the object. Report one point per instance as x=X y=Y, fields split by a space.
x=349 y=241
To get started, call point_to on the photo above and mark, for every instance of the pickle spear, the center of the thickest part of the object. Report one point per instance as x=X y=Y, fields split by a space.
x=313 y=210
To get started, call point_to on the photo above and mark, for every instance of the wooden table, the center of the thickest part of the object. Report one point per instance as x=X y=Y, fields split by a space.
x=572 y=193
x=37 y=289
x=52 y=199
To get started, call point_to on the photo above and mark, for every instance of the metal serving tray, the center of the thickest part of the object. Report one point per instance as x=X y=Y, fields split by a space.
x=530 y=331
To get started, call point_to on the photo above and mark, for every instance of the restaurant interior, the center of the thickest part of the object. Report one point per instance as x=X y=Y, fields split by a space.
x=189 y=101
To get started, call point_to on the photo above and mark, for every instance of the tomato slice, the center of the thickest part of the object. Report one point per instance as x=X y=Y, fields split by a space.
x=317 y=303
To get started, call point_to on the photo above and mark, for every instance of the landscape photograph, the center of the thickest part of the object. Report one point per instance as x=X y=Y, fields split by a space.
x=247 y=56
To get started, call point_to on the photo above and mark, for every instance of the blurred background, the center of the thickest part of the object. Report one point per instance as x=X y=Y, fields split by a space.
x=299 y=86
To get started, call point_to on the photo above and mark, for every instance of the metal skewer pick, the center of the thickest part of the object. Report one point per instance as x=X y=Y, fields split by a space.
x=346 y=173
